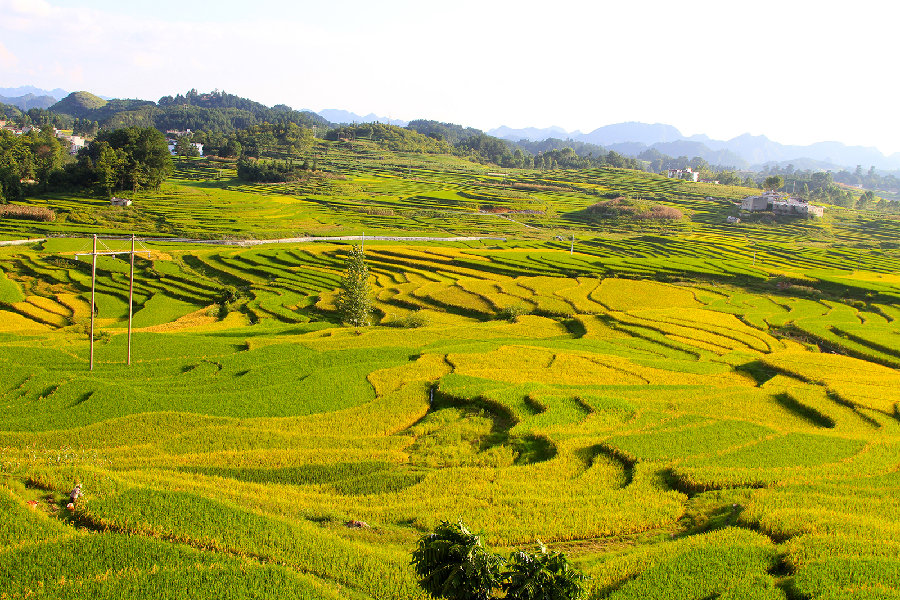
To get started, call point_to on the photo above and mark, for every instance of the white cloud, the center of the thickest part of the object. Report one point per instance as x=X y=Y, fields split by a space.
x=8 y=60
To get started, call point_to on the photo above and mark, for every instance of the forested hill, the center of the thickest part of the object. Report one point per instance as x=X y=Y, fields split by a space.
x=214 y=112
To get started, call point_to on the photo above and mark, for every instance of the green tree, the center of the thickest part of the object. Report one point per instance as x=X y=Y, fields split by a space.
x=108 y=169
x=184 y=147
x=542 y=576
x=866 y=200
x=774 y=182
x=354 y=302
x=452 y=563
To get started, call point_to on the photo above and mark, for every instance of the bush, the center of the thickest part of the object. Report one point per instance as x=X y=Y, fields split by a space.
x=452 y=563
x=513 y=312
x=410 y=321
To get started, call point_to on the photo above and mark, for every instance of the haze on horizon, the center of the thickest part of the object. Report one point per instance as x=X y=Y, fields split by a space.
x=795 y=71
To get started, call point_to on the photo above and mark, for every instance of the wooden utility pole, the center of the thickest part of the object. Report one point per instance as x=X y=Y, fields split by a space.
x=130 y=297
x=94 y=254
x=93 y=287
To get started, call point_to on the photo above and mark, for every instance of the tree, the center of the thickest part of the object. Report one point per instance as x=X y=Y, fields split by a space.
x=354 y=302
x=452 y=563
x=774 y=182
x=185 y=147
x=542 y=576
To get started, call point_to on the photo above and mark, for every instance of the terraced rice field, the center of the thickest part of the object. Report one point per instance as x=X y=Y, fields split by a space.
x=682 y=422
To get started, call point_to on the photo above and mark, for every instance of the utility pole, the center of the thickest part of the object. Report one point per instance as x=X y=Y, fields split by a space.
x=93 y=288
x=94 y=254
x=130 y=298
x=572 y=249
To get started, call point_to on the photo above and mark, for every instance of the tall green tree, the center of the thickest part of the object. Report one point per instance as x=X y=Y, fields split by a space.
x=354 y=302
x=774 y=182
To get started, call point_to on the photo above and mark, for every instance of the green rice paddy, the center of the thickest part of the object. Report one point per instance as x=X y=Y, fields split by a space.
x=691 y=410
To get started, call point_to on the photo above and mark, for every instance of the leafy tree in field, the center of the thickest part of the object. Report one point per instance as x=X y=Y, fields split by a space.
x=452 y=563
x=354 y=302
x=774 y=182
x=542 y=576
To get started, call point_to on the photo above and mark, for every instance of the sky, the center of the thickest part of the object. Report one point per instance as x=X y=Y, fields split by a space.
x=796 y=71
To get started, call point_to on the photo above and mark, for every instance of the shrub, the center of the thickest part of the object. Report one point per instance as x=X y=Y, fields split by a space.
x=410 y=321
x=542 y=576
x=452 y=563
x=513 y=312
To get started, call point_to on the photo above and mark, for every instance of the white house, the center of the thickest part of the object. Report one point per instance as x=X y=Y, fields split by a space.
x=688 y=174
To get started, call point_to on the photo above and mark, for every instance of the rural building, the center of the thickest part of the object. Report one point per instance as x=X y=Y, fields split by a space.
x=688 y=174
x=196 y=145
x=708 y=180
x=793 y=207
x=781 y=204
x=119 y=201
x=755 y=203
x=733 y=220
x=76 y=142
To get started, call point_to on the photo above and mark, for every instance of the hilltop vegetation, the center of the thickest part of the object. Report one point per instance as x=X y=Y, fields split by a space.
x=687 y=408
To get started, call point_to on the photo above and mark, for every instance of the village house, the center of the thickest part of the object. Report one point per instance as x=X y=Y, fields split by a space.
x=781 y=204
x=689 y=174
x=119 y=201
x=196 y=145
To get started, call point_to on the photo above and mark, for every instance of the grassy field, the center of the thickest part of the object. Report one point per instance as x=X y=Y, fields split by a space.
x=688 y=410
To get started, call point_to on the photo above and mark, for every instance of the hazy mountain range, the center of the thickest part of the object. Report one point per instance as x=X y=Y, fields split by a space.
x=336 y=115
x=632 y=138
x=27 y=97
x=743 y=151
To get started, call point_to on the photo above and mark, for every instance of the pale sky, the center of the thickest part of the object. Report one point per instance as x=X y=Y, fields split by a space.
x=796 y=71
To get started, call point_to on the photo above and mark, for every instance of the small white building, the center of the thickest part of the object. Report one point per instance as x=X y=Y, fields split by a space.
x=119 y=201
x=688 y=174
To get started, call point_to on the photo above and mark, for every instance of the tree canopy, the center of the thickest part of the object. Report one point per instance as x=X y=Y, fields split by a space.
x=132 y=159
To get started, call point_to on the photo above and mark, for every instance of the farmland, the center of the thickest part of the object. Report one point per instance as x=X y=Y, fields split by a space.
x=688 y=409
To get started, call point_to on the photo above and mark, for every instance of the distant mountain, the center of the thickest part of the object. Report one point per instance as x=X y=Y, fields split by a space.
x=24 y=90
x=741 y=152
x=531 y=133
x=28 y=101
x=632 y=132
x=346 y=117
